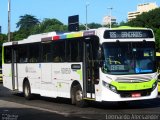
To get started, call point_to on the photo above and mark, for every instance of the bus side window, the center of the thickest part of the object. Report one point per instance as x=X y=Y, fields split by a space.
x=47 y=52
x=7 y=54
x=33 y=53
x=68 y=51
x=23 y=53
x=58 y=51
x=74 y=50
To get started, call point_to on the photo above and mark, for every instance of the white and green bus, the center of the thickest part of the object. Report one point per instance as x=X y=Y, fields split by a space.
x=100 y=64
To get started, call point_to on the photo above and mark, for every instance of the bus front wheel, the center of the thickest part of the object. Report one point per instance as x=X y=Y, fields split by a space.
x=27 y=91
x=77 y=96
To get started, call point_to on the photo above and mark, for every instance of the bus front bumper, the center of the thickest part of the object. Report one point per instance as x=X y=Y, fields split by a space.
x=111 y=96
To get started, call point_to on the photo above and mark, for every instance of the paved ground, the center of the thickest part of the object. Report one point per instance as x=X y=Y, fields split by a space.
x=15 y=107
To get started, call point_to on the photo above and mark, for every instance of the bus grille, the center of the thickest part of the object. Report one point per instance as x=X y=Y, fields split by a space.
x=125 y=94
x=133 y=79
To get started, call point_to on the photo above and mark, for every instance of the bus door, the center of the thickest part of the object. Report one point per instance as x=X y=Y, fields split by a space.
x=89 y=69
x=14 y=68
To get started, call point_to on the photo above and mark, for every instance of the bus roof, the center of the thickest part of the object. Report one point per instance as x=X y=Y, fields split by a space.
x=57 y=36
x=128 y=28
x=53 y=36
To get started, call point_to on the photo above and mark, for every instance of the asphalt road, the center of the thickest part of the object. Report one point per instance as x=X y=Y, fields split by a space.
x=16 y=107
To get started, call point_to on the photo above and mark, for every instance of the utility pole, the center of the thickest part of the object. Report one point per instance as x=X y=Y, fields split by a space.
x=87 y=4
x=9 y=20
x=110 y=16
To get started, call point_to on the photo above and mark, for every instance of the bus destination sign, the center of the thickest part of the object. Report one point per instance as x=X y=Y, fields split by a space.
x=124 y=34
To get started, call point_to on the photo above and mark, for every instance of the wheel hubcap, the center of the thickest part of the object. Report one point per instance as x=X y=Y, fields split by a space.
x=79 y=95
x=26 y=90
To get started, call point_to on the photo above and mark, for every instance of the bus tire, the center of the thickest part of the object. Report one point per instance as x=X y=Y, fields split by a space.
x=77 y=97
x=27 y=91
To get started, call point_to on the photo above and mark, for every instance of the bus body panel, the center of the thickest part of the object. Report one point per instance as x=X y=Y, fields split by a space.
x=32 y=72
x=64 y=75
x=46 y=79
x=48 y=86
x=7 y=76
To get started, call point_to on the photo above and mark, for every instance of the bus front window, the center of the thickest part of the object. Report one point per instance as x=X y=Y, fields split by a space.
x=128 y=58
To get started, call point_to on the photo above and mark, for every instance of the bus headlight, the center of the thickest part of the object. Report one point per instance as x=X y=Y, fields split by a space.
x=113 y=88
x=109 y=86
x=154 y=85
x=105 y=84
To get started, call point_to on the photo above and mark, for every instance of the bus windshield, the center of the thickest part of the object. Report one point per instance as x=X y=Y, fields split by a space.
x=128 y=58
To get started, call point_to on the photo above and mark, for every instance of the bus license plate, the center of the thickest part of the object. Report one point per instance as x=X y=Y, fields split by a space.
x=136 y=94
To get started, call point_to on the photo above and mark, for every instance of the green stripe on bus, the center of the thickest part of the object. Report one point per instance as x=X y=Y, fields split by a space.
x=2 y=55
x=80 y=73
x=70 y=36
x=10 y=74
x=133 y=86
x=88 y=98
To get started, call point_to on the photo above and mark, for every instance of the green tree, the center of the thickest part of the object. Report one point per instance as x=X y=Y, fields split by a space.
x=148 y=19
x=19 y=35
x=122 y=23
x=25 y=25
x=48 y=25
x=94 y=25
x=82 y=27
x=27 y=22
x=157 y=35
x=151 y=20
x=3 y=38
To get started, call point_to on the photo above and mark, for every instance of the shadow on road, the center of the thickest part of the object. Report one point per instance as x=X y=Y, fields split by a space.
x=141 y=104
x=154 y=103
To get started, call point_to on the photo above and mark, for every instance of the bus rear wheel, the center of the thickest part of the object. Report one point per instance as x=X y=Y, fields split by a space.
x=27 y=91
x=77 y=96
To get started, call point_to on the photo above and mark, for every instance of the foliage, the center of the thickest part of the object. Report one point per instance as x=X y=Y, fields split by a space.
x=48 y=25
x=122 y=23
x=94 y=25
x=26 y=22
x=82 y=27
x=157 y=35
x=19 y=35
x=151 y=20
x=3 y=38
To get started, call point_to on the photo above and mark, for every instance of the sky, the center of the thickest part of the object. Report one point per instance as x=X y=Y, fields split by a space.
x=61 y=9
